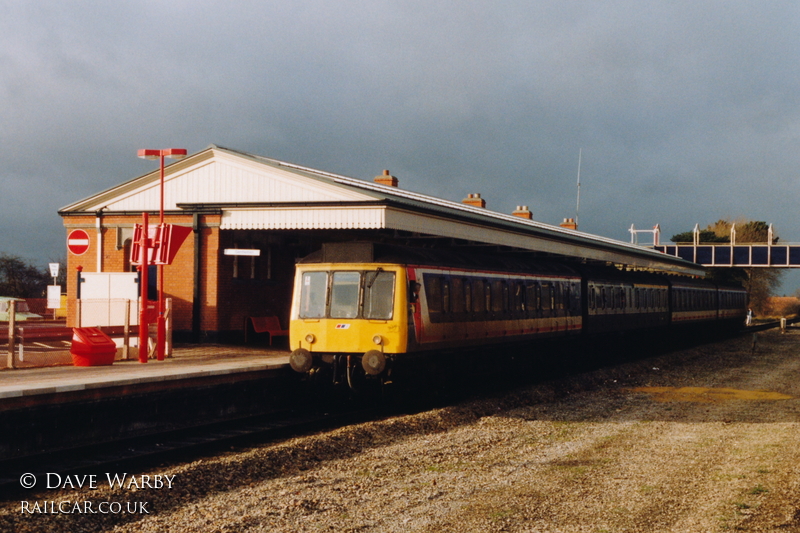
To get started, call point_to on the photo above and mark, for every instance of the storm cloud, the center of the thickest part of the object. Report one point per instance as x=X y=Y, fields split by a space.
x=684 y=112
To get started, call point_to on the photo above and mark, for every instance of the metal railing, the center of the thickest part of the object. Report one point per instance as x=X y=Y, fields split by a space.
x=38 y=344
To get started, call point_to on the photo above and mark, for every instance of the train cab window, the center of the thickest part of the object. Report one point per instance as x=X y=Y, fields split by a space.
x=378 y=295
x=313 y=293
x=344 y=294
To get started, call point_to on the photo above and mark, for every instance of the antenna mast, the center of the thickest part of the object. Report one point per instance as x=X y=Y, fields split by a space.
x=578 y=206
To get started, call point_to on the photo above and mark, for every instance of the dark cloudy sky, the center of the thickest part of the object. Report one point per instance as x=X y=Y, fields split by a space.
x=685 y=111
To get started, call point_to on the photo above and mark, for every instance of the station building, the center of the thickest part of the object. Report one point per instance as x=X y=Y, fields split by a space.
x=239 y=203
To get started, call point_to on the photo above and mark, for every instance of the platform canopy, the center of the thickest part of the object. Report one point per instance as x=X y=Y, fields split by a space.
x=251 y=192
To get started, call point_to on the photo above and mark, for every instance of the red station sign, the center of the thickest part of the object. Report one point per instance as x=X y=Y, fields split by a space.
x=165 y=241
x=78 y=242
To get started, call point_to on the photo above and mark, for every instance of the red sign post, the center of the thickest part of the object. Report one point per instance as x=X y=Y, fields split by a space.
x=77 y=242
x=172 y=153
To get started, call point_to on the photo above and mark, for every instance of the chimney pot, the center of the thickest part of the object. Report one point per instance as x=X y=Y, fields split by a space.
x=569 y=223
x=386 y=179
x=522 y=211
x=475 y=200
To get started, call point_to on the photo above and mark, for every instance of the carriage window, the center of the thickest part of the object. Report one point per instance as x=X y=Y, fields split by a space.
x=344 y=294
x=313 y=293
x=547 y=298
x=531 y=297
x=519 y=297
x=433 y=293
x=378 y=295
x=457 y=296
x=478 y=296
x=499 y=292
x=557 y=296
x=445 y=295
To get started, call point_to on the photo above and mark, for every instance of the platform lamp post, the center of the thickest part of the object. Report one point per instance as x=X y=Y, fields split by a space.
x=172 y=153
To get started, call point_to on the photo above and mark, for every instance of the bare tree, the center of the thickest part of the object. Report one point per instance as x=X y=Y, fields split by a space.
x=20 y=279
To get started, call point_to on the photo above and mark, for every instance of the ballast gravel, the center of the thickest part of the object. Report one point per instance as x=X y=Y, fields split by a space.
x=702 y=440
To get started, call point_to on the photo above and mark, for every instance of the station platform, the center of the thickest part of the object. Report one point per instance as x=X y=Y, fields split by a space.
x=45 y=410
x=187 y=362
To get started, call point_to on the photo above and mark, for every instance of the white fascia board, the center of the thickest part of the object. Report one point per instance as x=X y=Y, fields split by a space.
x=353 y=217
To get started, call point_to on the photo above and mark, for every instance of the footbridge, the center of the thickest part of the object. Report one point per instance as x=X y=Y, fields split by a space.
x=769 y=254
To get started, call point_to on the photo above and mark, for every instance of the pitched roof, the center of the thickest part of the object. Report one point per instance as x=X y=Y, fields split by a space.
x=255 y=192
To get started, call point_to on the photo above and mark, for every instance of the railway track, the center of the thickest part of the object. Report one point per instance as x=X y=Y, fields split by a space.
x=139 y=452
x=185 y=444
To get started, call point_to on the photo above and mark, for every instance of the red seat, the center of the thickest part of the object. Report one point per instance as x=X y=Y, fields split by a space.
x=268 y=324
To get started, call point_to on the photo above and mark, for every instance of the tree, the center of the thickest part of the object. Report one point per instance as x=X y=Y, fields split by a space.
x=760 y=283
x=20 y=279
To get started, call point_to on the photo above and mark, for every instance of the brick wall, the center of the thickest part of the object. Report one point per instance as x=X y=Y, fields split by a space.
x=179 y=276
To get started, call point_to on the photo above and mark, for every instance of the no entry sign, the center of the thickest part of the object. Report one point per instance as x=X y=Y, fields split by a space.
x=78 y=242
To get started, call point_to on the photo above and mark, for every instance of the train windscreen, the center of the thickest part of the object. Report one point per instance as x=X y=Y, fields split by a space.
x=312 y=294
x=344 y=294
x=347 y=294
x=378 y=295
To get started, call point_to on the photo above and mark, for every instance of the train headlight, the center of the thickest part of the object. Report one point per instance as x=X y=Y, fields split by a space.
x=377 y=339
x=310 y=338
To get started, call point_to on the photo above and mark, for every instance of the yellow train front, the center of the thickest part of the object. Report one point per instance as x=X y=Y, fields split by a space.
x=345 y=315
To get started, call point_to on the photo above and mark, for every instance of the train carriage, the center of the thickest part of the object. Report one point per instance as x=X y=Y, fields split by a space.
x=622 y=301
x=732 y=305
x=365 y=305
x=693 y=302
x=459 y=307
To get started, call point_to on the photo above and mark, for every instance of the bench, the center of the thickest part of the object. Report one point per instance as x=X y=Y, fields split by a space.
x=267 y=324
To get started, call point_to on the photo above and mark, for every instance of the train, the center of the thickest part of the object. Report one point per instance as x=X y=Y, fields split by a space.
x=361 y=306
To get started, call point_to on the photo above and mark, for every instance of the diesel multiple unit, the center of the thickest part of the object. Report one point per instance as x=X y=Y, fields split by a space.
x=365 y=305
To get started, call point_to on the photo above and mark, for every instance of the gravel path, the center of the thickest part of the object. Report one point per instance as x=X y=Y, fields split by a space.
x=703 y=440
